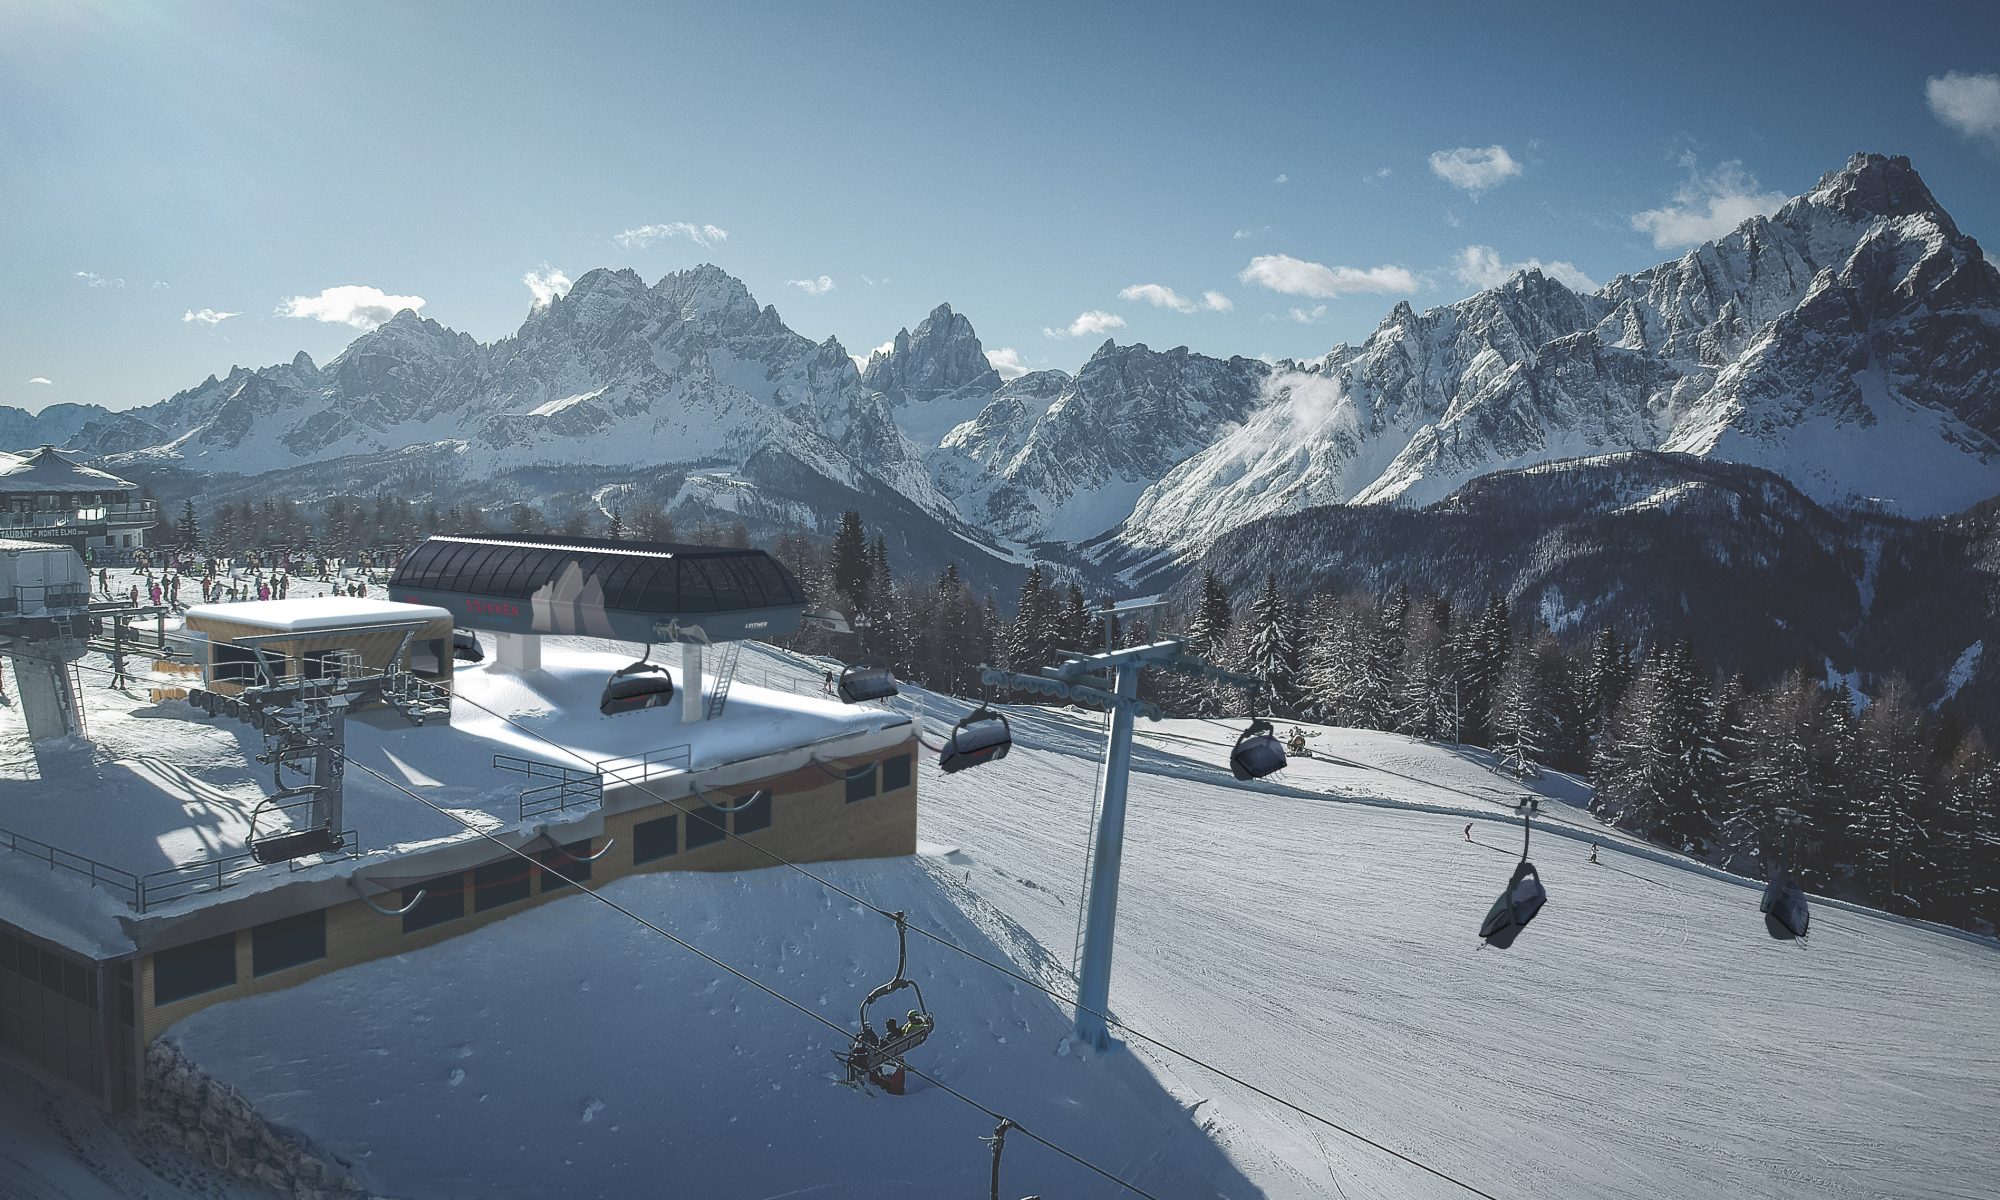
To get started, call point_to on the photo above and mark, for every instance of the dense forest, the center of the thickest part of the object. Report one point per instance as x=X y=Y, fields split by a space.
x=1876 y=798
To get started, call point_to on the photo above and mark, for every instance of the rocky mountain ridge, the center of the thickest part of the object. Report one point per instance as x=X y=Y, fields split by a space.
x=1850 y=342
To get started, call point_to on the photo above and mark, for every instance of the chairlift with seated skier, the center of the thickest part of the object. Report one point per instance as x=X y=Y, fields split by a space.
x=872 y=1055
x=869 y=679
x=982 y=736
x=643 y=684
x=1258 y=752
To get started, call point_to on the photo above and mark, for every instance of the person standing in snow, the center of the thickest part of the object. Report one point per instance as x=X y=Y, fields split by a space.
x=1468 y=831
x=1593 y=852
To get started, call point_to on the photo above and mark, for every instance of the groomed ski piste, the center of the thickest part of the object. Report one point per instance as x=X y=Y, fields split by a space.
x=1314 y=934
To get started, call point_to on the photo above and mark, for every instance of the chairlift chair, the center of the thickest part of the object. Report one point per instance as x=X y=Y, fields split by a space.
x=982 y=736
x=1258 y=752
x=1524 y=896
x=641 y=685
x=465 y=646
x=869 y=679
x=871 y=1051
x=1516 y=907
x=1786 y=913
x=271 y=848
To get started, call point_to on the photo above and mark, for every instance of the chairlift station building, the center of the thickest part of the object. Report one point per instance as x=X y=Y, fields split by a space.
x=131 y=894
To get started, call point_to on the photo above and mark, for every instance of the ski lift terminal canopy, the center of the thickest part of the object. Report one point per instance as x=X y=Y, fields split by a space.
x=599 y=587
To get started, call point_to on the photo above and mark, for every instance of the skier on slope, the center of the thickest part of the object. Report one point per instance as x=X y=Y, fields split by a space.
x=1468 y=831
x=1593 y=852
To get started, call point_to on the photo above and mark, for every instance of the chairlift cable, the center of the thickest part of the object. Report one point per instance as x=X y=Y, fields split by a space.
x=772 y=992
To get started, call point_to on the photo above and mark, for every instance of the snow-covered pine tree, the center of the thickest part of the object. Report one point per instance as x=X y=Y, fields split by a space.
x=1323 y=634
x=1424 y=698
x=1271 y=652
x=1889 y=830
x=1482 y=652
x=850 y=565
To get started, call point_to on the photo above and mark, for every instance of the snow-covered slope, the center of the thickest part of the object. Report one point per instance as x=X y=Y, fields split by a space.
x=1849 y=342
x=1645 y=1038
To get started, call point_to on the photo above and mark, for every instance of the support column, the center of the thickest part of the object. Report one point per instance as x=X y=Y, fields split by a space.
x=518 y=651
x=1094 y=989
x=692 y=708
x=47 y=700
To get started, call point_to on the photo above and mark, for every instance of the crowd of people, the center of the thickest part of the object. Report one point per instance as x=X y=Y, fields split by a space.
x=176 y=581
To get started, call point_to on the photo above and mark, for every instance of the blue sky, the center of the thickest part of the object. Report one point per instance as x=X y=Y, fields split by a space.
x=165 y=163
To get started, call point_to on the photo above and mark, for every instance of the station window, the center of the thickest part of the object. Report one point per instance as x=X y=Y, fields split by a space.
x=499 y=883
x=289 y=942
x=195 y=968
x=444 y=900
x=704 y=827
x=895 y=772
x=861 y=782
x=655 y=839
x=565 y=866
x=756 y=814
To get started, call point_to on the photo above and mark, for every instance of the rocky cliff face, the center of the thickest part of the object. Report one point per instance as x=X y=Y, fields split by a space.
x=1849 y=343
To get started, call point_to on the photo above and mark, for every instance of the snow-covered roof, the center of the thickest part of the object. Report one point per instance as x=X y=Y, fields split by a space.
x=47 y=470
x=17 y=545
x=157 y=787
x=315 y=612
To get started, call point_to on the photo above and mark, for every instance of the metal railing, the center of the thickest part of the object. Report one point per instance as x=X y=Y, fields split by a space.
x=630 y=772
x=139 y=513
x=224 y=870
x=169 y=883
x=567 y=786
x=104 y=875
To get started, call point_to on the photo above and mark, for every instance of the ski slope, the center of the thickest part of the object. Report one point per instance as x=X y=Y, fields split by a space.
x=1644 y=1038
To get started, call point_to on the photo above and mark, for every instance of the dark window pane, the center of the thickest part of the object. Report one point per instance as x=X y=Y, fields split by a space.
x=656 y=839
x=755 y=815
x=560 y=868
x=195 y=968
x=499 y=883
x=288 y=942
x=895 y=772
x=444 y=900
x=861 y=782
x=704 y=827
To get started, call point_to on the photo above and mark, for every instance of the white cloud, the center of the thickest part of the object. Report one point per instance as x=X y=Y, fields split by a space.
x=1967 y=103
x=546 y=284
x=44 y=380
x=812 y=287
x=1707 y=207
x=1159 y=296
x=1480 y=267
x=1008 y=362
x=1306 y=316
x=1216 y=302
x=639 y=237
x=1240 y=234
x=160 y=284
x=1282 y=178
x=1086 y=324
x=1474 y=168
x=207 y=316
x=1297 y=277
x=93 y=279
x=353 y=304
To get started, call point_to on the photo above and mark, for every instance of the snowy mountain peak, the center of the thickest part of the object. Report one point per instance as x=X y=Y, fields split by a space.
x=1873 y=186
x=935 y=377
